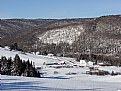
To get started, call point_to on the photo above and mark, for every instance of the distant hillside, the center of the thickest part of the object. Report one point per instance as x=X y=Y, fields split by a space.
x=101 y=35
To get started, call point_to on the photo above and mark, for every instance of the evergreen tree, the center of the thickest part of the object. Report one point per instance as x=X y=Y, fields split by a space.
x=9 y=64
x=5 y=66
x=17 y=66
x=30 y=70
x=0 y=66
x=14 y=46
x=26 y=72
x=23 y=66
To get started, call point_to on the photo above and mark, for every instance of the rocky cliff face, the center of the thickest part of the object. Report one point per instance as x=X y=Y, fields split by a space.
x=100 y=35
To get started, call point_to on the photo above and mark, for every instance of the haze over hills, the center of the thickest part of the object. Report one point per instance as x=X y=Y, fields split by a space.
x=101 y=35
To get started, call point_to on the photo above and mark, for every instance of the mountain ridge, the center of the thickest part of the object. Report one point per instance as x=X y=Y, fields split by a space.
x=100 y=35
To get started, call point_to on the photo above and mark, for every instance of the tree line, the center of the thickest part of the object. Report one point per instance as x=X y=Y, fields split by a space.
x=17 y=67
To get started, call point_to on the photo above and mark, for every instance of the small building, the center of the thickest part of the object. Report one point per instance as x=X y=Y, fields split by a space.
x=104 y=64
x=37 y=53
x=83 y=63
x=62 y=62
x=7 y=48
x=50 y=55
x=90 y=64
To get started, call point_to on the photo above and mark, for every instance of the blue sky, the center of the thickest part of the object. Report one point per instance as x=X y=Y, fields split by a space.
x=58 y=8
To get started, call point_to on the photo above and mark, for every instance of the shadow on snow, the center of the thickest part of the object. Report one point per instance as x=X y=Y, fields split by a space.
x=57 y=77
x=30 y=86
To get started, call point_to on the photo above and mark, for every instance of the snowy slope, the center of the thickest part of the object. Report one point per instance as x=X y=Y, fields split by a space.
x=37 y=59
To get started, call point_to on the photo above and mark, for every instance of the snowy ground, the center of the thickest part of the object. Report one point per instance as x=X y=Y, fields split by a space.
x=80 y=82
x=57 y=79
x=61 y=81
x=37 y=59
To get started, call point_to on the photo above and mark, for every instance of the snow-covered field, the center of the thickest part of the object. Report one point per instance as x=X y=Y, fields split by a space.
x=58 y=79
x=38 y=59
x=61 y=83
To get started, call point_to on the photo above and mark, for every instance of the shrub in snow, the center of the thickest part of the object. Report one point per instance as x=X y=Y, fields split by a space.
x=71 y=73
x=55 y=72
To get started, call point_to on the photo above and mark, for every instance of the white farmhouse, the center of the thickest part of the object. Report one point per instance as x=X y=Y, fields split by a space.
x=83 y=63
x=90 y=64
x=50 y=55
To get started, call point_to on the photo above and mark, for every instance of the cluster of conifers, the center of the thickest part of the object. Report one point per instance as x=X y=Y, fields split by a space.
x=17 y=67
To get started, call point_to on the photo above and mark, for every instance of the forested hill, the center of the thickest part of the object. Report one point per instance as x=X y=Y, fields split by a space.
x=101 y=35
